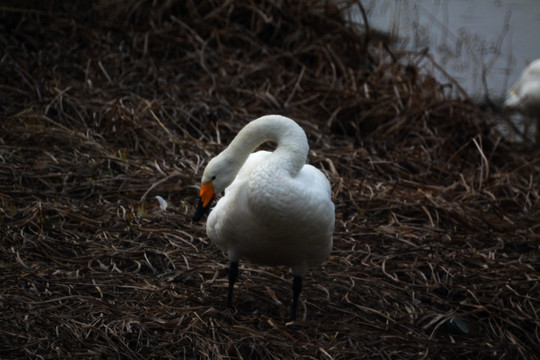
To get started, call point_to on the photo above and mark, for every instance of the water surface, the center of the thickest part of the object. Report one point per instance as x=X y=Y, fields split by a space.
x=483 y=44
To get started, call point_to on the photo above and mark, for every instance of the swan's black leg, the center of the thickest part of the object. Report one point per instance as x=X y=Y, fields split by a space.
x=538 y=131
x=233 y=275
x=297 y=288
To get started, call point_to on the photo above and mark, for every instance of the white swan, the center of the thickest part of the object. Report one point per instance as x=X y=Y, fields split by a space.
x=524 y=95
x=276 y=209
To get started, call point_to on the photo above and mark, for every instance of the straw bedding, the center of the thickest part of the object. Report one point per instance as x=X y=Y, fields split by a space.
x=106 y=104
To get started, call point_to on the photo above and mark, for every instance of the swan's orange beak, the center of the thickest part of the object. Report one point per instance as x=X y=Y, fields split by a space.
x=207 y=194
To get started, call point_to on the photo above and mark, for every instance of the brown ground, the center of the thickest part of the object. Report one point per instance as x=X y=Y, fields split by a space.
x=105 y=104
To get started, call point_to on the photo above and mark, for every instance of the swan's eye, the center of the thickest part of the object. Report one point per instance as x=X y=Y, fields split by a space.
x=213 y=178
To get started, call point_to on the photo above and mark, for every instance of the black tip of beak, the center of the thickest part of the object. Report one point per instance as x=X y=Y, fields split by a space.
x=201 y=210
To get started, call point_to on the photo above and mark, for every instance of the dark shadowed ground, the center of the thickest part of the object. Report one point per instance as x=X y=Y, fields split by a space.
x=106 y=104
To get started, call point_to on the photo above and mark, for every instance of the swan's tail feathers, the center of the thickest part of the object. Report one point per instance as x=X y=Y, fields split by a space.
x=207 y=195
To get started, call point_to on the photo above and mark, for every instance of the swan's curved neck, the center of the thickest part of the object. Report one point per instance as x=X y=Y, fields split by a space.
x=292 y=147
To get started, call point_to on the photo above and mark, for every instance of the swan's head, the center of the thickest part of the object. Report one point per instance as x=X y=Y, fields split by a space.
x=219 y=173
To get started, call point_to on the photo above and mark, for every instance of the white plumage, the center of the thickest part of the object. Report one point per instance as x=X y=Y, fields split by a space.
x=524 y=95
x=277 y=210
x=162 y=202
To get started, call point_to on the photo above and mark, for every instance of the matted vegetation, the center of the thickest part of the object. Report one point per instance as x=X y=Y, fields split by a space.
x=106 y=104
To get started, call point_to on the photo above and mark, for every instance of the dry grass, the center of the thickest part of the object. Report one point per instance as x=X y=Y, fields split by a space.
x=106 y=104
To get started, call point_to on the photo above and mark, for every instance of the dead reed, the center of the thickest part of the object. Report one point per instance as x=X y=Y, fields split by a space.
x=106 y=104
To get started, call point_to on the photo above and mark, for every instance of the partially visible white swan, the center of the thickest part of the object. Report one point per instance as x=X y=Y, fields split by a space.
x=276 y=209
x=524 y=95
